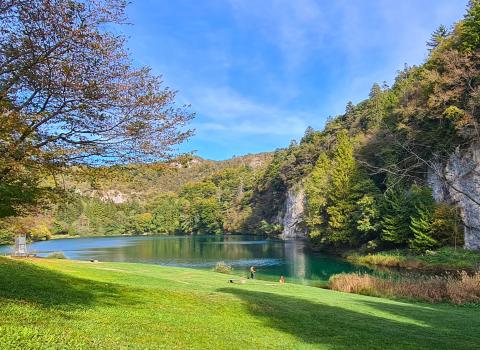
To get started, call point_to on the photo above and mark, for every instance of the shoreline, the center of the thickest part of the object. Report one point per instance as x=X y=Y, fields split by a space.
x=444 y=260
x=57 y=237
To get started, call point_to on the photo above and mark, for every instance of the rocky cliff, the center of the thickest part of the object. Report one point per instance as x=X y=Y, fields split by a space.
x=457 y=181
x=291 y=217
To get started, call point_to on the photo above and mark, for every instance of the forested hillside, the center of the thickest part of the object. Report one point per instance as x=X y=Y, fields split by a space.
x=170 y=197
x=365 y=178
x=367 y=173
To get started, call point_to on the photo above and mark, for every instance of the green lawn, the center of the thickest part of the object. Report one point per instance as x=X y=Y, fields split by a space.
x=61 y=304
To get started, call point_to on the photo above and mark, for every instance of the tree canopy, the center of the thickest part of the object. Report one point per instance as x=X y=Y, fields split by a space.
x=69 y=93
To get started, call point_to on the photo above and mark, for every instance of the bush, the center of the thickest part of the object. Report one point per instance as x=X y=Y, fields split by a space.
x=270 y=229
x=56 y=255
x=221 y=267
x=447 y=226
x=387 y=259
x=40 y=232
x=465 y=290
x=434 y=289
x=6 y=236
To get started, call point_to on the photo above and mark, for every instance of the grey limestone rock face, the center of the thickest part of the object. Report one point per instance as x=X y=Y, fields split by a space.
x=457 y=182
x=291 y=217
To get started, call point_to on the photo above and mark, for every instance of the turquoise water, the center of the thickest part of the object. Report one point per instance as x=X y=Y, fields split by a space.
x=271 y=257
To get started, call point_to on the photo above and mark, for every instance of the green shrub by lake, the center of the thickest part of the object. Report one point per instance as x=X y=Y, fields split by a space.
x=222 y=267
x=56 y=255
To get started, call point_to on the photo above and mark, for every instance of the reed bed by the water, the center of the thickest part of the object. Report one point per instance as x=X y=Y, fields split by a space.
x=444 y=259
x=389 y=260
x=460 y=289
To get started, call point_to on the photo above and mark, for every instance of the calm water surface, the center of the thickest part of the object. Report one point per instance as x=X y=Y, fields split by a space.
x=271 y=257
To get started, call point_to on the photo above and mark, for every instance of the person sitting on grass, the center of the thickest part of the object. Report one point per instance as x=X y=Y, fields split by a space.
x=282 y=280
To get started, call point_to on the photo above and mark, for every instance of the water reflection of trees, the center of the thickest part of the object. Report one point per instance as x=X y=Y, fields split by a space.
x=273 y=258
x=198 y=249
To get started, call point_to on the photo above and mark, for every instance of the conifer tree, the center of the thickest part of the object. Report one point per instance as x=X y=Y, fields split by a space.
x=438 y=36
x=316 y=187
x=396 y=219
x=342 y=205
x=421 y=228
x=470 y=28
x=340 y=208
x=349 y=108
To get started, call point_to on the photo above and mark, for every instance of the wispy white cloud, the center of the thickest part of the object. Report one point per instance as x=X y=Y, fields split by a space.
x=224 y=109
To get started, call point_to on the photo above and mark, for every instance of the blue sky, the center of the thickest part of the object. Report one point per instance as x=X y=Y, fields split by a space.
x=258 y=72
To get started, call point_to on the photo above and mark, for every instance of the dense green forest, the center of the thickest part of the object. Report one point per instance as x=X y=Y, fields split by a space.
x=181 y=196
x=364 y=175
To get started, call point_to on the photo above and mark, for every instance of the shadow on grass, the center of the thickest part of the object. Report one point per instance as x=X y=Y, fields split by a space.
x=26 y=282
x=374 y=326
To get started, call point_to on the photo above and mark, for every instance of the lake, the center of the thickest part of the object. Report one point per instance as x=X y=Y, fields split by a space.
x=272 y=257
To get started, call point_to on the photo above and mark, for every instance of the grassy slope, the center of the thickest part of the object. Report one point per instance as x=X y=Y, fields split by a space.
x=65 y=304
